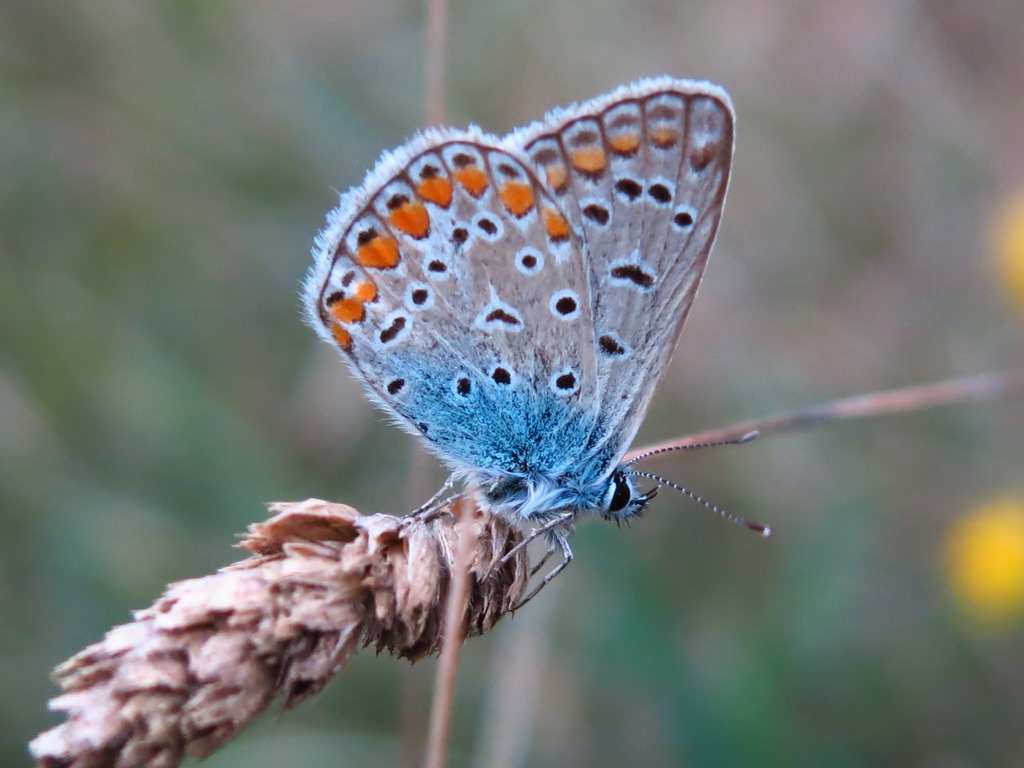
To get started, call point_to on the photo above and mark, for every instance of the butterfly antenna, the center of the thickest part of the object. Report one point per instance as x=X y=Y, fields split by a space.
x=688 y=446
x=750 y=525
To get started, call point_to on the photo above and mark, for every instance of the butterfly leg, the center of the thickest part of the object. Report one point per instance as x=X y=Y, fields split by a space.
x=548 y=527
x=552 y=548
x=429 y=511
x=560 y=538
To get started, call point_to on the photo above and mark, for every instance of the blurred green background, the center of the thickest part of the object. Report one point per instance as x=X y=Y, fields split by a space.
x=165 y=166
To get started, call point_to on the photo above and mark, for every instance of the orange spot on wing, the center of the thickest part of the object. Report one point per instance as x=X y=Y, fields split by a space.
x=379 y=252
x=437 y=191
x=701 y=156
x=348 y=310
x=555 y=224
x=624 y=143
x=343 y=337
x=589 y=160
x=473 y=179
x=664 y=137
x=365 y=292
x=411 y=218
x=556 y=175
x=517 y=197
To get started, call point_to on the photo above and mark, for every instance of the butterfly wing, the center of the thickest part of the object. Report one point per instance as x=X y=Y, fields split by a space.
x=642 y=173
x=454 y=287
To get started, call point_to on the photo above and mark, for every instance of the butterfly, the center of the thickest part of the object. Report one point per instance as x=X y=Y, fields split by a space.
x=514 y=301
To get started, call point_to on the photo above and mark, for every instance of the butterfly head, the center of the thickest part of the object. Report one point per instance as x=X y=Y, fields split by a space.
x=622 y=499
x=536 y=497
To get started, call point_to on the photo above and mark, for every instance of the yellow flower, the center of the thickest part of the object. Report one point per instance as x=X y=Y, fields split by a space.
x=986 y=559
x=1008 y=243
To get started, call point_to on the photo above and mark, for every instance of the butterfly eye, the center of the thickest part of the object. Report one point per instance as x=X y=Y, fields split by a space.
x=623 y=493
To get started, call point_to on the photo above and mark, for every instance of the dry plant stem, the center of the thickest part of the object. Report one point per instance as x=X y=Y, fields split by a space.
x=983 y=388
x=453 y=636
x=412 y=719
x=324 y=581
x=437 y=15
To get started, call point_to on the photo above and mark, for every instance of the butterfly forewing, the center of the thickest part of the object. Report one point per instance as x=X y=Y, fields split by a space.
x=642 y=172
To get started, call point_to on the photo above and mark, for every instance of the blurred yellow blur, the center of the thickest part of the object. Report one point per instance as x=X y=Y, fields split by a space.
x=1008 y=246
x=986 y=559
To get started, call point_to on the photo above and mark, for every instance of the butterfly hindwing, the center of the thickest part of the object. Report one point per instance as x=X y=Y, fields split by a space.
x=454 y=286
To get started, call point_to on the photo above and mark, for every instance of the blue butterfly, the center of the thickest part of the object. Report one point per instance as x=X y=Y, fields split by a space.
x=515 y=301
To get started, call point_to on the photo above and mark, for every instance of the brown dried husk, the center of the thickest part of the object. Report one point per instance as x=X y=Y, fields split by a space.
x=324 y=581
